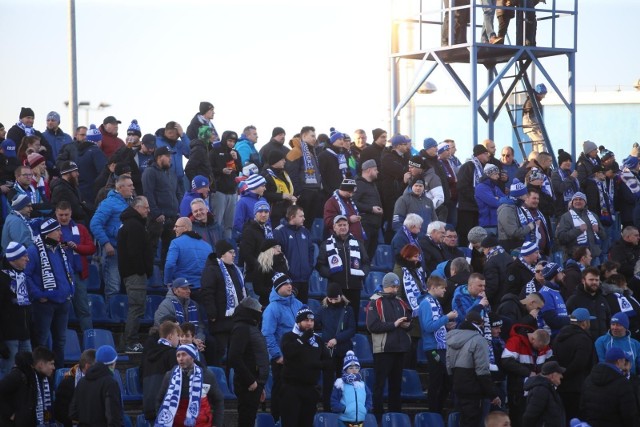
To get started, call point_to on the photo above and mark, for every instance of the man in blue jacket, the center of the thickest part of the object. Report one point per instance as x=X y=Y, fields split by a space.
x=296 y=244
x=50 y=282
x=54 y=135
x=104 y=227
x=173 y=137
x=277 y=319
x=246 y=147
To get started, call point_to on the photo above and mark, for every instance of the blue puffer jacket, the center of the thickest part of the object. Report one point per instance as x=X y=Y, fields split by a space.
x=487 y=196
x=64 y=287
x=106 y=221
x=351 y=401
x=186 y=258
x=428 y=325
x=179 y=149
x=630 y=346
x=463 y=303
x=244 y=210
x=278 y=319
x=248 y=152
x=297 y=246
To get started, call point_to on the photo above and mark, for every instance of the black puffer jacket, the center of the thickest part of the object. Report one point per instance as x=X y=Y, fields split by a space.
x=157 y=359
x=214 y=294
x=573 y=349
x=97 y=401
x=544 y=406
x=518 y=275
x=248 y=355
x=135 y=255
x=16 y=319
x=495 y=274
x=608 y=399
x=198 y=163
x=18 y=394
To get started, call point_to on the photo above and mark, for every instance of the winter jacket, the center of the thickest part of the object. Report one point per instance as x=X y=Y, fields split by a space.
x=328 y=322
x=214 y=293
x=468 y=362
x=131 y=157
x=519 y=359
x=277 y=319
x=271 y=146
x=572 y=278
x=567 y=233
x=16 y=319
x=466 y=190
x=110 y=143
x=544 y=406
x=219 y=159
x=495 y=275
x=382 y=311
x=97 y=401
x=135 y=254
x=372 y=152
x=64 y=283
x=515 y=312
x=186 y=257
x=64 y=395
x=252 y=238
x=263 y=279
x=178 y=149
x=248 y=354
x=244 y=210
x=166 y=308
x=626 y=254
x=584 y=166
x=197 y=121
x=344 y=278
x=433 y=253
x=612 y=293
x=303 y=361
x=298 y=248
x=209 y=231
x=18 y=395
x=463 y=303
x=275 y=193
x=410 y=203
x=487 y=196
x=630 y=346
x=63 y=190
x=163 y=191
x=198 y=163
x=91 y=162
x=248 y=153
x=351 y=401
x=157 y=359
x=392 y=167
x=560 y=186
x=511 y=234
x=554 y=312
x=332 y=209
x=597 y=306
x=106 y=220
x=295 y=167
x=400 y=240
x=85 y=247
x=15 y=229
x=56 y=139
x=429 y=324
x=573 y=349
x=518 y=275
x=330 y=170
x=365 y=199
x=608 y=399
x=185 y=203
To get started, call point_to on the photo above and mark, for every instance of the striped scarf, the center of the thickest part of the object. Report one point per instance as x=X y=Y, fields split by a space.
x=268 y=231
x=229 y=287
x=478 y=170
x=568 y=194
x=631 y=181
x=309 y=165
x=411 y=289
x=43 y=403
x=192 y=311
x=335 y=262
x=436 y=312
x=342 y=161
x=582 y=239
x=18 y=286
x=171 y=400
x=343 y=209
x=49 y=281
x=28 y=131
x=312 y=341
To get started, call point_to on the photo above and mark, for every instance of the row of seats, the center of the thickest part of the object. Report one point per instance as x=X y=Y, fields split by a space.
x=390 y=419
x=116 y=311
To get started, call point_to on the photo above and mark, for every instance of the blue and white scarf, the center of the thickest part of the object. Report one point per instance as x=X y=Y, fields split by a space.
x=343 y=209
x=411 y=289
x=312 y=341
x=625 y=305
x=43 y=403
x=436 y=312
x=230 y=289
x=351 y=379
x=171 y=400
x=164 y=341
x=18 y=286
x=30 y=191
x=546 y=184
x=49 y=281
x=583 y=239
x=525 y=217
x=568 y=194
x=478 y=170
x=342 y=161
x=335 y=262
x=268 y=231
x=192 y=312
x=309 y=165
x=206 y=122
x=532 y=268
x=78 y=377
x=449 y=169
x=495 y=251
x=28 y=131
x=412 y=240
x=631 y=181
x=605 y=194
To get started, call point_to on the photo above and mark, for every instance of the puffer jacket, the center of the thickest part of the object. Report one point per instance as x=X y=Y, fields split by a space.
x=106 y=221
x=573 y=349
x=186 y=257
x=248 y=354
x=487 y=196
x=544 y=406
x=198 y=163
x=278 y=319
x=351 y=401
x=382 y=311
x=630 y=346
x=214 y=293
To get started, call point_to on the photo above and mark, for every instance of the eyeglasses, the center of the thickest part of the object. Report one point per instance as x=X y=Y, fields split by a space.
x=506 y=155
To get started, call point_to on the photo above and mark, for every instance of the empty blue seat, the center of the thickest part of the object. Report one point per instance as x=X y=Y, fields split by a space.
x=369 y=378
x=59 y=375
x=98 y=308
x=133 y=382
x=153 y=302
x=72 y=350
x=317 y=285
x=141 y=421
x=383 y=259
x=264 y=420
x=118 y=308
x=95 y=278
x=326 y=419
x=362 y=349
x=362 y=314
x=123 y=390
x=370 y=421
x=94 y=338
x=371 y=283
x=222 y=382
x=395 y=419
x=317 y=230
x=428 y=419
x=411 y=385
x=127 y=421
x=314 y=305
x=454 y=419
x=316 y=252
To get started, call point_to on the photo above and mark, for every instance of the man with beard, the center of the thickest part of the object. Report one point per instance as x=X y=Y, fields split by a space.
x=225 y=165
x=279 y=189
x=204 y=117
x=369 y=204
x=177 y=142
x=66 y=188
x=276 y=143
x=110 y=141
x=589 y=296
x=163 y=191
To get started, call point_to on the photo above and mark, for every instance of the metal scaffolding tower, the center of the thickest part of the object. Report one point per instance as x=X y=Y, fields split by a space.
x=508 y=66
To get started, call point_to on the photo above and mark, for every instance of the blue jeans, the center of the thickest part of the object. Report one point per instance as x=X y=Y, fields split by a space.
x=51 y=318
x=110 y=275
x=80 y=303
x=487 y=23
x=223 y=207
x=15 y=346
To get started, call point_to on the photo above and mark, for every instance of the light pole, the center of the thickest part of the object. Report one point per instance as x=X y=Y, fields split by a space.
x=73 y=72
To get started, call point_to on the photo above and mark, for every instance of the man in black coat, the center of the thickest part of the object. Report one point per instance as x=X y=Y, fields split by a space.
x=249 y=359
x=626 y=252
x=521 y=270
x=589 y=296
x=369 y=204
x=544 y=406
x=430 y=156
x=276 y=143
x=573 y=348
x=432 y=246
x=608 y=398
x=135 y=264
x=468 y=176
x=66 y=188
x=495 y=269
x=394 y=177
x=67 y=387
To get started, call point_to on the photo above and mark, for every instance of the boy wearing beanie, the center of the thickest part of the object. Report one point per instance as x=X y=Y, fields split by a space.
x=351 y=398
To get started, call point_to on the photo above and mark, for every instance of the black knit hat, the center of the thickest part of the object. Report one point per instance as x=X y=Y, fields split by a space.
x=26 y=112
x=205 y=106
x=277 y=131
x=334 y=290
x=268 y=244
x=222 y=247
x=280 y=279
x=563 y=156
x=275 y=156
x=305 y=313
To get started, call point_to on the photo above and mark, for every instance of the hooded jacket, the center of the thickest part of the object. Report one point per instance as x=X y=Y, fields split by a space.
x=630 y=346
x=185 y=203
x=518 y=275
x=18 y=393
x=106 y=222
x=219 y=159
x=487 y=196
x=512 y=309
x=544 y=406
x=157 y=359
x=135 y=255
x=185 y=258
x=97 y=401
x=64 y=284
x=163 y=190
x=248 y=354
x=63 y=190
x=573 y=349
x=519 y=359
x=248 y=153
x=198 y=163
x=297 y=246
x=278 y=319
x=110 y=143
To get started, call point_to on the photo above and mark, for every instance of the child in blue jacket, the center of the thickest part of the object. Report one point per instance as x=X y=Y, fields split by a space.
x=351 y=398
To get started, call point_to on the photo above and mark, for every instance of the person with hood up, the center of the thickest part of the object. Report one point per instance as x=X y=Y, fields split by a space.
x=177 y=142
x=97 y=400
x=351 y=397
x=204 y=117
x=619 y=336
x=225 y=167
x=544 y=406
x=186 y=256
x=249 y=359
x=468 y=364
x=488 y=195
x=198 y=163
x=222 y=290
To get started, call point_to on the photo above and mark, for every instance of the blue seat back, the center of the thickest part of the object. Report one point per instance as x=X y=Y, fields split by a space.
x=222 y=382
x=264 y=420
x=454 y=419
x=141 y=421
x=421 y=357
x=317 y=230
x=316 y=252
x=317 y=285
x=371 y=282
x=362 y=314
x=59 y=375
x=153 y=302
x=72 y=350
x=98 y=308
x=362 y=349
x=383 y=259
x=94 y=338
x=326 y=419
x=428 y=419
x=411 y=385
x=95 y=278
x=370 y=421
x=134 y=382
x=118 y=308
x=314 y=305
x=395 y=419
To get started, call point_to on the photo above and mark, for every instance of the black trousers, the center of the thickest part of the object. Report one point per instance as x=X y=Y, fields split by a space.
x=439 y=381
x=461 y=20
x=387 y=367
x=466 y=221
x=312 y=204
x=298 y=405
x=517 y=405
x=571 y=402
x=276 y=389
x=302 y=291
x=248 y=403
x=372 y=238
x=353 y=295
x=164 y=232
x=470 y=411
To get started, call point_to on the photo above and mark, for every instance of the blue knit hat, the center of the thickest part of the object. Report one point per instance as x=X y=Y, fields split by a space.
x=106 y=354
x=614 y=354
x=49 y=226
x=349 y=359
x=20 y=201
x=517 y=188
x=528 y=248
x=255 y=181
x=442 y=147
x=14 y=251
x=334 y=135
x=398 y=140
x=551 y=269
x=134 y=127
x=189 y=349
x=429 y=143
x=621 y=319
x=93 y=134
x=261 y=205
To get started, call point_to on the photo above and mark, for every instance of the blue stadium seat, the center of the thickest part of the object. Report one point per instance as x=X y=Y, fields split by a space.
x=383 y=259
x=362 y=349
x=371 y=282
x=72 y=349
x=411 y=385
x=369 y=377
x=395 y=419
x=118 y=308
x=317 y=285
x=362 y=313
x=326 y=419
x=454 y=419
x=264 y=420
x=127 y=421
x=154 y=282
x=153 y=301
x=98 y=309
x=370 y=420
x=94 y=283
x=222 y=382
x=268 y=385
x=317 y=230
x=59 y=375
x=314 y=305
x=94 y=338
x=316 y=252
x=123 y=390
x=141 y=421
x=428 y=419
x=133 y=382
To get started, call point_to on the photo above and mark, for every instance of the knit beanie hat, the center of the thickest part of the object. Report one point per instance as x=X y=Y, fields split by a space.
x=53 y=116
x=334 y=135
x=390 y=279
x=348 y=184
x=490 y=168
x=551 y=269
x=349 y=359
x=517 y=188
x=579 y=195
x=442 y=147
x=49 y=226
x=189 y=349
x=268 y=244
x=398 y=140
x=26 y=112
x=377 y=132
x=14 y=251
x=277 y=131
x=34 y=159
x=106 y=354
x=621 y=319
x=261 y=205
x=429 y=143
x=134 y=127
x=479 y=149
x=416 y=162
x=280 y=279
x=334 y=290
x=563 y=156
x=494 y=319
x=304 y=313
x=93 y=134
x=368 y=164
x=20 y=201
x=255 y=181
x=630 y=162
x=251 y=304
x=222 y=247
x=274 y=157
x=477 y=234
x=528 y=248
x=588 y=146
x=204 y=107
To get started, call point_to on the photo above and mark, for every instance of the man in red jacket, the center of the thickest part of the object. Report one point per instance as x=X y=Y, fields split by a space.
x=110 y=141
